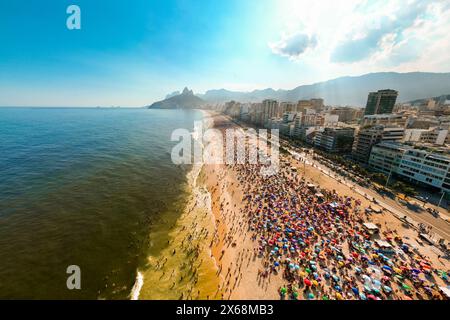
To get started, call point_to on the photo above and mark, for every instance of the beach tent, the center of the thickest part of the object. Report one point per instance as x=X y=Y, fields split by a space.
x=371 y=227
x=384 y=246
x=427 y=238
x=376 y=210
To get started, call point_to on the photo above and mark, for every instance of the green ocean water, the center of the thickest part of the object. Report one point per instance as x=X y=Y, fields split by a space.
x=89 y=187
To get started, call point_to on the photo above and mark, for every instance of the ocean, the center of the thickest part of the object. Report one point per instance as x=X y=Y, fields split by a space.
x=91 y=187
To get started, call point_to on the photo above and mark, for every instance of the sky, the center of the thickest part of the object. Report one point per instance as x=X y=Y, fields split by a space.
x=132 y=53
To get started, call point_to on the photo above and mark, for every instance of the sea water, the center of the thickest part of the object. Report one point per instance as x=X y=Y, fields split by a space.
x=91 y=187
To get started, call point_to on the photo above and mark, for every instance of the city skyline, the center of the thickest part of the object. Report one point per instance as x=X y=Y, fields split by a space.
x=133 y=55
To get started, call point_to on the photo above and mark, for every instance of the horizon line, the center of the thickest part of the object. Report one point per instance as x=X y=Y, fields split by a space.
x=74 y=107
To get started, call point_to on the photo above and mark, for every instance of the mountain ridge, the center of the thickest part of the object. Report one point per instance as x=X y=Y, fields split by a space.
x=346 y=90
x=183 y=100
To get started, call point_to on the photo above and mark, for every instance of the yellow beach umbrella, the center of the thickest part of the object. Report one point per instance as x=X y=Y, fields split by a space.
x=397 y=270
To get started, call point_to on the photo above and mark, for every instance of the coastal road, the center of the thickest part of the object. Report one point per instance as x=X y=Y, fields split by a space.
x=438 y=225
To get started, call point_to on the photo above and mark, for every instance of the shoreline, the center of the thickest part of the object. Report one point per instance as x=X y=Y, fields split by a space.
x=189 y=240
x=233 y=264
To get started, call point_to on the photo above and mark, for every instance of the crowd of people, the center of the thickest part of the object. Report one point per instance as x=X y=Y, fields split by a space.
x=318 y=241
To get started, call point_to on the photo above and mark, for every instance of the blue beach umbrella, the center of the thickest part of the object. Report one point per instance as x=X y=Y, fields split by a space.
x=376 y=283
x=387 y=289
x=385 y=267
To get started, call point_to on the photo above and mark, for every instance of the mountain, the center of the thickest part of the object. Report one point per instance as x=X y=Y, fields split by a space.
x=173 y=94
x=185 y=100
x=347 y=90
x=441 y=99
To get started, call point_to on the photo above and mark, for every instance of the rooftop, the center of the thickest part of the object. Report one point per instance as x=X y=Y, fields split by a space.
x=436 y=152
x=384 y=115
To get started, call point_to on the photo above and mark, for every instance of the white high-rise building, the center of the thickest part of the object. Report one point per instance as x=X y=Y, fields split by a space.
x=420 y=166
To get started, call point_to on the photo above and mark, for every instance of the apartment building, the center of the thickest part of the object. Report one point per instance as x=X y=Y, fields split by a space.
x=335 y=140
x=385 y=119
x=269 y=111
x=347 y=114
x=367 y=137
x=421 y=166
x=435 y=136
x=381 y=102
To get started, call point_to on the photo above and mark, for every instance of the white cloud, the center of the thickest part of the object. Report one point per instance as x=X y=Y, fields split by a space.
x=368 y=35
x=294 y=45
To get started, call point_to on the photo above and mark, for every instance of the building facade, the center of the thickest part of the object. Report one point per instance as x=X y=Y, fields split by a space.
x=347 y=114
x=335 y=140
x=269 y=111
x=435 y=136
x=381 y=102
x=385 y=119
x=420 y=166
x=367 y=137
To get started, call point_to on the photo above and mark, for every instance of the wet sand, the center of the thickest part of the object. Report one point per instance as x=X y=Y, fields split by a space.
x=185 y=268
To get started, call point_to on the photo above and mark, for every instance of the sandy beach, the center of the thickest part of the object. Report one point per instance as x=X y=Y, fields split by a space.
x=245 y=236
x=245 y=272
x=232 y=246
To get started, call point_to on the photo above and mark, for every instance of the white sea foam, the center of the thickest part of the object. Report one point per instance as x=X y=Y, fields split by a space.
x=139 y=282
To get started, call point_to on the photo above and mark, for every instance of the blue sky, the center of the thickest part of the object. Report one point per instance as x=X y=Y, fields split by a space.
x=132 y=53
